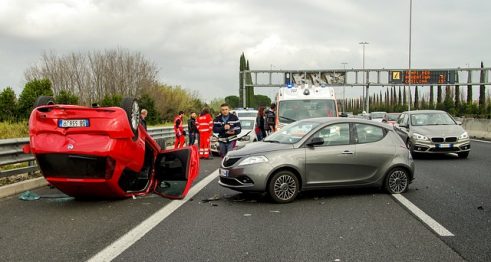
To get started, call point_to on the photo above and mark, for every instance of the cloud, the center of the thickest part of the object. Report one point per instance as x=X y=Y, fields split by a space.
x=197 y=44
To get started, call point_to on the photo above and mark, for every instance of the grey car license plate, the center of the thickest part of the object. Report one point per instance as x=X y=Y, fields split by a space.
x=73 y=123
x=223 y=172
x=444 y=145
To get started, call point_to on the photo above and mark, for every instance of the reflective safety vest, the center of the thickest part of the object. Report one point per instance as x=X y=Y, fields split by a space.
x=204 y=123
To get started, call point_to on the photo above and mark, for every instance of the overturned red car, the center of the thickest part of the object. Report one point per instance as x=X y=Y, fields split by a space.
x=94 y=152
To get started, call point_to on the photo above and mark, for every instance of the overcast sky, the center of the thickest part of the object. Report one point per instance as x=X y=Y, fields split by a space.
x=197 y=44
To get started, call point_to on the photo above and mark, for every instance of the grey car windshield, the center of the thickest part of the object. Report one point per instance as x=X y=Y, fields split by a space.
x=428 y=119
x=292 y=133
x=294 y=110
x=247 y=124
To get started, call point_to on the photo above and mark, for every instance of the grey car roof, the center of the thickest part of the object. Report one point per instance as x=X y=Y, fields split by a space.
x=423 y=111
x=325 y=120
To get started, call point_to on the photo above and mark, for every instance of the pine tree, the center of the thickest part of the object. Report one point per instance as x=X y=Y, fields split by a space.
x=439 y=97
x=404 y=100
x=399 y=101
x=416 y=98
x=242 y=66
x=249 y=89
x=432 y=98
x=469 y=89
x=482 y=91
x=457 y=94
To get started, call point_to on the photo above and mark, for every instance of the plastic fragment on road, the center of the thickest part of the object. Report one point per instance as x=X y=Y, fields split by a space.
x=29 y=196
x=247 y=215
x=274 y=211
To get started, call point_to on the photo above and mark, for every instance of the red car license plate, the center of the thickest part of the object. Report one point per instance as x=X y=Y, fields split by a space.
x=73 y=123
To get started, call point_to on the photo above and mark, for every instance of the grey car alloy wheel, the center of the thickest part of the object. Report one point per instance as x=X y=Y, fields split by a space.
x=283 y=187
x=397 y=181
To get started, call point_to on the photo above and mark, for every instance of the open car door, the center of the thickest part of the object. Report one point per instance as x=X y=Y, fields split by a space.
x=175 y=171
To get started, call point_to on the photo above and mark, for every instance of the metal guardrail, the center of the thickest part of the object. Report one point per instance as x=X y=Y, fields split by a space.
x=11 y=152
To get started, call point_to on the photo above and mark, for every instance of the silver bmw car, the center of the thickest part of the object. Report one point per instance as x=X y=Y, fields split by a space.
x=432 y=132
x=320 y=153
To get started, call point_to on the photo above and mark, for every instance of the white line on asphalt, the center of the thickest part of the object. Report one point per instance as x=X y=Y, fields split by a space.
x=128 y=239
x=482 y=141
x=435 y=226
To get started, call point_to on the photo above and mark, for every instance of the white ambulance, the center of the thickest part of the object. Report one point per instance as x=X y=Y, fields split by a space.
x=304 y=101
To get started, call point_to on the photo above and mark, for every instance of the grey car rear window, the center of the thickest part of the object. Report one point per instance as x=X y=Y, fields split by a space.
x=368 y=133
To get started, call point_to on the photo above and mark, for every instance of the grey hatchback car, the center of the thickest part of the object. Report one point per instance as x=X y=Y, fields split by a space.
x=432 y=132
x=320 y=153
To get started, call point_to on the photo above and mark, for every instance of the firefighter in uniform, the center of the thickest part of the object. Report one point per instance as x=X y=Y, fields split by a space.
x=179 y=131
x=205 y=129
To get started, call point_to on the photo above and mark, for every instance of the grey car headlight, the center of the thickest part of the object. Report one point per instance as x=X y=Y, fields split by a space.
x=465 y=135
x=417 y=136
x=245 y=138
x=253 y=160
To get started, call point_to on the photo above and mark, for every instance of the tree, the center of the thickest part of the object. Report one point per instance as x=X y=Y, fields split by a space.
x=93 y=75
x=469 y=88
x=416 y=98
x=432 y=98
x=242 y=67
x=32 y=90
x=404 y=98
x=111 y=100
x=7 y=104
x=482 y=91
x=439 y=98
x=233 y=101
x=249 y=88
x=399 y=99
x=146 y=102
x=261 y=100
x=66 y=98
x=215 y=104
x=448 y=103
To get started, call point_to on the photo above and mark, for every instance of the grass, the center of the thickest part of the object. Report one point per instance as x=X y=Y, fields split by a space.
x=14 y=129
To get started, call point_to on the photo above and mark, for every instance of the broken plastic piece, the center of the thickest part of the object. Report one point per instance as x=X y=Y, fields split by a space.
x=29 y=196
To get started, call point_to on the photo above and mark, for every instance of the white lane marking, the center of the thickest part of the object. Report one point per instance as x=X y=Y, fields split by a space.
x=482 y=141
x=435 y=226
x=128 y=239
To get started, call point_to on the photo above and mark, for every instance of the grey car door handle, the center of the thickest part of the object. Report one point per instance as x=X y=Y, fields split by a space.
x=347 y=152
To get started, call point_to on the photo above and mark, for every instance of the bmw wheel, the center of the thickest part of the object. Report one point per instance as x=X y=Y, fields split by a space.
x=283 y=187
x=130 y=106
x=397 y=181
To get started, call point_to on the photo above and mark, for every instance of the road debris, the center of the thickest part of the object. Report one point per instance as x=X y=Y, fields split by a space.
x=29 y=196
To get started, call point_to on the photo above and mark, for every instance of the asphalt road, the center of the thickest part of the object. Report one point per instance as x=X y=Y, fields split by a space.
x=331 y=225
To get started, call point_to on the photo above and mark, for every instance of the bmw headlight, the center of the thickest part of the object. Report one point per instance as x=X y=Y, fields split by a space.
x=464 y=136
x=420 y=137
x=253 y=160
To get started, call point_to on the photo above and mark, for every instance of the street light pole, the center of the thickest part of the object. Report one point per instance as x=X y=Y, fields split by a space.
x=364 y=75
x=410 y=76
x=344 y=87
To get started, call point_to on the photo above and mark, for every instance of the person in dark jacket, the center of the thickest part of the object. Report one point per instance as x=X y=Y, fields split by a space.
x=192 y=129
x=259 y=129
x=143 y=115
x=228 y=127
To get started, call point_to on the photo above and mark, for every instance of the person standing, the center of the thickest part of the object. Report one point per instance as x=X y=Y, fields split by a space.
x=143 y=115
x=192 y=129
x=179 y=131
x=228 y=127
x=205 y=129
x=270 y=119
x=260 y=125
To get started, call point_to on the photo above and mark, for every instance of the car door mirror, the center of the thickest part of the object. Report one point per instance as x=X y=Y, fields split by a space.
x=175 y=171
x=458 y=123
x=316 y=141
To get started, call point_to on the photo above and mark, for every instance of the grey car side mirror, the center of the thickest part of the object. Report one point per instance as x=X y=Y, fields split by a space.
x=459 y=123
x=316 y=141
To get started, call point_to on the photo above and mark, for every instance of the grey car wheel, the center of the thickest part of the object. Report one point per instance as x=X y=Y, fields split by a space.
x=283 y=187
x=397 y=181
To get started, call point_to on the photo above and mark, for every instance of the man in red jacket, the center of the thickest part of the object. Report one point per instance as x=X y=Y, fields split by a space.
x=179 y=131
x=205 y=129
